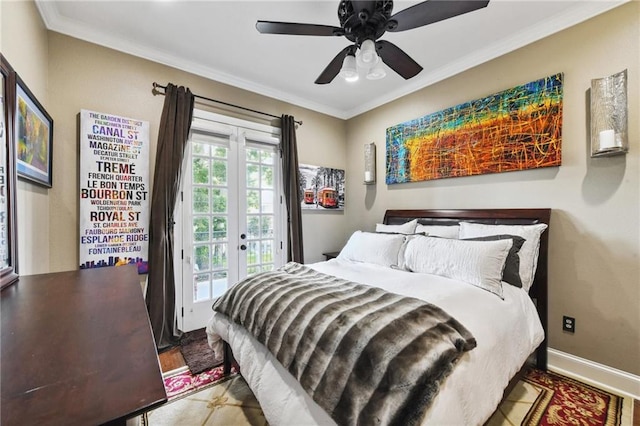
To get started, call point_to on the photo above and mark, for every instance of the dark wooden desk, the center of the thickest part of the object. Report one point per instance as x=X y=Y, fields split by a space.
x=77 y=348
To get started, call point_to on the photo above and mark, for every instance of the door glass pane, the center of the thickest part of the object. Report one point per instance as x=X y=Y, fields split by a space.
x=253 y=226
x=200 y=170
x=253 y=201
x=266 y=157
x=219 y=199
x=200 y=148
x=267 y=227
x=267 y=201
x=253 y=155
x=267 y=251
x=201 y=288
x=201 y=258
x=220 y=152
x=201 y=229
x=219 y=228
x=266 y=176
x=253 y=252
x=220 y=282
x=219 y=256
x=200 y=200
x=219 y=174
x=253 y=175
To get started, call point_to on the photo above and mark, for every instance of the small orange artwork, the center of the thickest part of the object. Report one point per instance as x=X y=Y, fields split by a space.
x=517 y=129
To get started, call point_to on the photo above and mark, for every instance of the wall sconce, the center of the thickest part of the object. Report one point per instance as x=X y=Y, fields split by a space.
x=609 y=115
x=369 y=163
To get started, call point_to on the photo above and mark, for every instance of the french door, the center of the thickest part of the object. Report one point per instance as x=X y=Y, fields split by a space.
x=232 y=213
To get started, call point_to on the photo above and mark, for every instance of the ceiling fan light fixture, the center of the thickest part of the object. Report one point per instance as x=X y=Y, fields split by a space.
x=364 y=22
x=349 y=71
x=377 y=72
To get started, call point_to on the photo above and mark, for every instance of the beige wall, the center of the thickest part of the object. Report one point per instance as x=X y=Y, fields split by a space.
x=594 y=265
x=28 y=55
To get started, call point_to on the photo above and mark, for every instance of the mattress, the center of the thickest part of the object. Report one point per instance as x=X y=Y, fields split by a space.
x=507 y=331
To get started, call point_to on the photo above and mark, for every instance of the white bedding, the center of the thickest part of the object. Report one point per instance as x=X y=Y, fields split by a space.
x=507 y=331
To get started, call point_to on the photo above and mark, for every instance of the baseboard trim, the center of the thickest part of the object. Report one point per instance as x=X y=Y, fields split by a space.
x=600 y=375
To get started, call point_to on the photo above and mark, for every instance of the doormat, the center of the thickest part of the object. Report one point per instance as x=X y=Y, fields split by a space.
x=196 y=351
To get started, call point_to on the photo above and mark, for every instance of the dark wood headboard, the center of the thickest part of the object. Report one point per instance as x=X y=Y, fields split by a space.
x=538 y=290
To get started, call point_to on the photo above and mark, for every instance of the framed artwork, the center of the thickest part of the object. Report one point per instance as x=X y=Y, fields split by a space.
x=321 y=188
x=8 y=226
x=34 y=137
x=517 y=129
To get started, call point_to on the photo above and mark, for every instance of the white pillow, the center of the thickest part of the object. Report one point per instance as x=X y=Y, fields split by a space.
x=379 y=249
x=404 y=228
x=443 y=231
x=478 y=263
x=528 y=253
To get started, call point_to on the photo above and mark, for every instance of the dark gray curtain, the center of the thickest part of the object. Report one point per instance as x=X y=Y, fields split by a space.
x=172 y=138
x=292 y=189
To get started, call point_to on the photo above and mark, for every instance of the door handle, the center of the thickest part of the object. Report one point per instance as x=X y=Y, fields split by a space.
x=243 y=247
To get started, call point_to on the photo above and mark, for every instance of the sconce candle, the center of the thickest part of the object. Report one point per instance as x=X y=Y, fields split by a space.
x=608 y=139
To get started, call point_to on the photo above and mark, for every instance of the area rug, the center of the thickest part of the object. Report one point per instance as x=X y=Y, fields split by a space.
x=564 y=401
x=541 y=398
x=196 y=351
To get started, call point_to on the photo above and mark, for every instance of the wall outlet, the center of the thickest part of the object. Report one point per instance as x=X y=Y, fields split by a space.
x=568 y=324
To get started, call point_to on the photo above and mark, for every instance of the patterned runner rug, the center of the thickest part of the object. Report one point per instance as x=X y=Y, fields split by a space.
x=540 y=399
x=549 y=399
x=564 y=401
x=182 y=382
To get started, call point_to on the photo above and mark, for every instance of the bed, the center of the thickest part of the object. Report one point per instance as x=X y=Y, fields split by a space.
x=497 y=329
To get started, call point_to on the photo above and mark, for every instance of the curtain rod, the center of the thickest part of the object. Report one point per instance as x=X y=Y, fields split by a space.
x=157 y=86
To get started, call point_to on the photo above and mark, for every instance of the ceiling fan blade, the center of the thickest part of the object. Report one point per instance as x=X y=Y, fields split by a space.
x=397 y=60
x=333 y=68
x=432 y=11
x=292 y=28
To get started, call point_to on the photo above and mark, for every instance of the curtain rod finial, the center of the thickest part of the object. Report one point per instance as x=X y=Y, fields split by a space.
x=155 y=90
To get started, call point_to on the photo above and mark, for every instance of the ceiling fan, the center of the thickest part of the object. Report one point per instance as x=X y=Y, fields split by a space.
x=363 y=23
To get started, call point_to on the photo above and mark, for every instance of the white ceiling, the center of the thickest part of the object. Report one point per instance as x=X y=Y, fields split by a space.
x=218 y=40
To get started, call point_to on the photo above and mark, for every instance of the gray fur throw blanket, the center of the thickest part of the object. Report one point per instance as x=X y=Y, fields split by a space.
x=366 y=356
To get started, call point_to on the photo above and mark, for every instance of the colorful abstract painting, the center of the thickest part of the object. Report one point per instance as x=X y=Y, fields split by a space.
x=517 y=129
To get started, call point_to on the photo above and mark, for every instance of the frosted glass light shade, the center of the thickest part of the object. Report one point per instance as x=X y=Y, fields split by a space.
x=377 y=72
x=348 y=70
x=368 y=54
x=609 y=115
